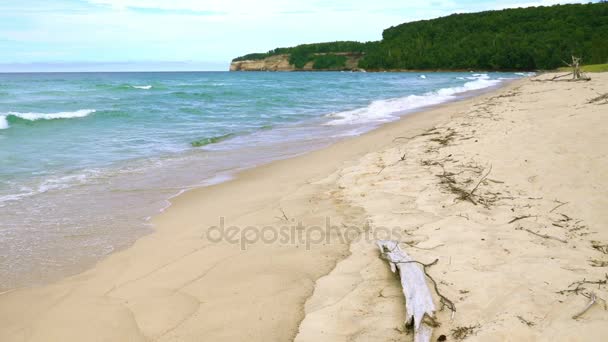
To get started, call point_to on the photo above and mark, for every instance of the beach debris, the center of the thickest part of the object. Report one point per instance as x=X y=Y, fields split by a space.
x=578 y=287
x=521 y=218
x=598 y=263
x=419 y=306
x=592 y=300
x=461 y=333
x=393 y=164
x=599 y=246
x=449 y=182
x=544 y=236
x=600 y=98
x=557 y=206
x=576 y=73
x=526 y=322
x=284 y=217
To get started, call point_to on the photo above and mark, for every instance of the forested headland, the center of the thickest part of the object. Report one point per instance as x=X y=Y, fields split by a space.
x=512 y=39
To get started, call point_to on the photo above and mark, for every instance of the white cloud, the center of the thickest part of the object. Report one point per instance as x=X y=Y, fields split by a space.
x=120 y=30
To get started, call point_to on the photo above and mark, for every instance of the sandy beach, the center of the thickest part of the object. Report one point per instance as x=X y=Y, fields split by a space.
x=507 y=190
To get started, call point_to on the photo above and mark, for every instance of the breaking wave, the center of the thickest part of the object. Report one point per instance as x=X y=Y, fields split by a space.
x=42 y=116
x=387 y=110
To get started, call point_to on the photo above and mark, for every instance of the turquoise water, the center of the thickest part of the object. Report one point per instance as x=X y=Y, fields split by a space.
x=86 y=158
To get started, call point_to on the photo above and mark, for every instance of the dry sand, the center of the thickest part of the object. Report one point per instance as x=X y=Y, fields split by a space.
x=544 y=150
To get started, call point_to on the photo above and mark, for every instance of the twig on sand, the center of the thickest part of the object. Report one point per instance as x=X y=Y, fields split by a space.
x=544 y=236
x=580 y=286
x=284 y=215
x=526 y=322
x=431 y=131
x=521 y=218
x=449 y=181
x=393 y=164
x=559 y=205
x=413 y=245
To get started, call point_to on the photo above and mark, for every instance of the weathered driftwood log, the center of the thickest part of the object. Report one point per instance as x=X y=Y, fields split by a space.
x=418 y=299
x=577 y=74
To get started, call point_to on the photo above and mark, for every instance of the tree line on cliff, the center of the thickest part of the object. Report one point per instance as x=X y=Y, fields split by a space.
x=511 y=39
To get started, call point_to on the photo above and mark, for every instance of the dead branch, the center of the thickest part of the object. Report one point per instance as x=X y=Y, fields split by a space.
x=521 y=218
x=560 y=76
x=558 y=206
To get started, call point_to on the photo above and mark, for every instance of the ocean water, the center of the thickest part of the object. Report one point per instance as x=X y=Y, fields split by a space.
x=87 y=158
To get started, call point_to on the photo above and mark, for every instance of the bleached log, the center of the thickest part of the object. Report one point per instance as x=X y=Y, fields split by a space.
x=418 y=299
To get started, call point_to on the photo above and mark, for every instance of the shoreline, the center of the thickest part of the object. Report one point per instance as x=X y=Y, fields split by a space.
x=179 y=283
x=170 y=225
x=185 y=179
x=106 y=228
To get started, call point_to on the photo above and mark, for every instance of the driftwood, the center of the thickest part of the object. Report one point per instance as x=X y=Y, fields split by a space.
x=592 y=300
x=419 y=307
x=577 y=74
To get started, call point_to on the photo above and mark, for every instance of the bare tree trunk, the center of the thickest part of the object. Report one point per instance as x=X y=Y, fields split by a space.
x=576 y=68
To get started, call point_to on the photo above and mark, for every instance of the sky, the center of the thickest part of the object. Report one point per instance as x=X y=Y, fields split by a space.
x=81 y=35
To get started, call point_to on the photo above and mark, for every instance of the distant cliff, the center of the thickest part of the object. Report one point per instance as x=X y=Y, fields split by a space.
x=338 y=61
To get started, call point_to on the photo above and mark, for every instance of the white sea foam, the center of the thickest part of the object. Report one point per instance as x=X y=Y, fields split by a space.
x=54 y=183
x=525 y=74
x=146 y=87
x=3 y=122
x=422 y=76
x=388 y=110
x=43 y=116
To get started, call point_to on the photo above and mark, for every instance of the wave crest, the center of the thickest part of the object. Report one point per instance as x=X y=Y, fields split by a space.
x=388 y=110
x=43 y=116
x=3 y=122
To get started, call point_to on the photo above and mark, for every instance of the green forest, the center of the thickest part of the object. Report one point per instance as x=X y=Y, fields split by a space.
x=511 y=39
